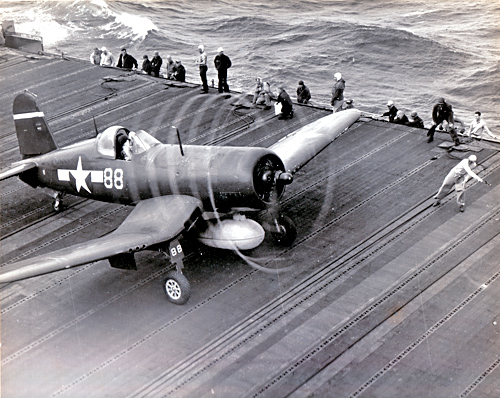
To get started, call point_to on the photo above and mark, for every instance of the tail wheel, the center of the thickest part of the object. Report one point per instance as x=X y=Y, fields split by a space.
x=177 y=288
x=286 y=231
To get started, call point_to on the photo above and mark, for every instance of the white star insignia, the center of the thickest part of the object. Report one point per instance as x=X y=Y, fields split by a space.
x=80 y=176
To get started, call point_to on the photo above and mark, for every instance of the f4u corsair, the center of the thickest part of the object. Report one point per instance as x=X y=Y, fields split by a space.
x=201 y=191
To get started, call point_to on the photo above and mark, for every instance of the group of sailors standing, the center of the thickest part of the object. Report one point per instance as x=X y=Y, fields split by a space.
x=175 y=70
x=442 y=113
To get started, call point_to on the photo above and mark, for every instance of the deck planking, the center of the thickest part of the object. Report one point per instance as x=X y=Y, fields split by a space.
x=365 y=223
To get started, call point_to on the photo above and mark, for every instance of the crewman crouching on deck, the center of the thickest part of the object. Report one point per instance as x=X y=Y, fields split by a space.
x=415 y=121
x=303 y=93
x=348 y=104
x=262 y=93
x=442 y=113
x=391 y=112
x=286 y=104
x=401 y=118
x=458 y=177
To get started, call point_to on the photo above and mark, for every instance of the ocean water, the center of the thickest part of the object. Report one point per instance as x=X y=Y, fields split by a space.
x=412 y=52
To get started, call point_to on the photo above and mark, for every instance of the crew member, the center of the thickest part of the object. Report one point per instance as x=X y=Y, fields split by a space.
x=222 y=64
x=348 y=104
x=286 y=104
x=95 y=57
x=262 y=93
x=338 y=91
x=202 y=64
x=179 y=71
x=415 y=121
x=303 y=93
x=401 y=118
x=126 y=61
x=478 y=126
x=146 y=65
x=458 y=177
x=442 y=113
x=170 y=66
x=106 y=57
x=156 y=62
x=392 y=112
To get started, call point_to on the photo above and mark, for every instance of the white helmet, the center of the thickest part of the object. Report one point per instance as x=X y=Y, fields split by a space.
x=473 y=158
x=390 y=103
x=337 y=76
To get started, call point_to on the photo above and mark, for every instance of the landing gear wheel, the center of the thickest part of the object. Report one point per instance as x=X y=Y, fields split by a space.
x=57 y=205
x=286 y=233
x=177 y=288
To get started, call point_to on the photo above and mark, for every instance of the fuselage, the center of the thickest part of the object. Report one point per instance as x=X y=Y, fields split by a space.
x=221 y=177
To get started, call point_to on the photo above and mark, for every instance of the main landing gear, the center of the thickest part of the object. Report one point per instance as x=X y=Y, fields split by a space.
x=57 y=204
x=283 y=231
x=177 y=287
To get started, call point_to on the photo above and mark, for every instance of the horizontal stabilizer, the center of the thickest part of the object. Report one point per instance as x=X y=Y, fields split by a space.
x=299 y=147
x=16 y=169
x=152 y=221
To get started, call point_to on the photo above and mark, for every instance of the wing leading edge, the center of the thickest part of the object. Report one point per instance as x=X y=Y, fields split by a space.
x=151 y=222
x=16 y=169
x=299 y=147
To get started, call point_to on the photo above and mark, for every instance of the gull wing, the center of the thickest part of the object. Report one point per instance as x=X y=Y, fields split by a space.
x=299 y=147
x=151 y=222
x=16 y=169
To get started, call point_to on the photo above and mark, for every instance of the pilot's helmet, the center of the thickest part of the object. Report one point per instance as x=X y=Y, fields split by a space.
x=121 y=139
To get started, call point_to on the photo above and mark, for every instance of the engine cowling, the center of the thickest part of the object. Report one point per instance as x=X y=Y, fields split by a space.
x=222 y=177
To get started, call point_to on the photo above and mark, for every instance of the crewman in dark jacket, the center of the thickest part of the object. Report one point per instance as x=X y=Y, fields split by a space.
x=179 y=71
x=442 y=113
x=222 y=64
x=400 y=118
x=303 y=93
x=156 y=62
x=146 y=65
x=286 y=104
x=392 y=112
x=416 y=121
x=126 y=61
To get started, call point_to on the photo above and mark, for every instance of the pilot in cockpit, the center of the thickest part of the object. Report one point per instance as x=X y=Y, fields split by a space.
x=124 y=145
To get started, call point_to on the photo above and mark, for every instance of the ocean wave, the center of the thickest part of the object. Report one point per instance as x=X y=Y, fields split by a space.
x=412 y=54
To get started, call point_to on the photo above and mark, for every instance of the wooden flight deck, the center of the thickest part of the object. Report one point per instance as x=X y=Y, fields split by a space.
x=384 y=294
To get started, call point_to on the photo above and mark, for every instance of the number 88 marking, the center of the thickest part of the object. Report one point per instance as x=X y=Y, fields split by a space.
x=176 y=250
x=116 y=177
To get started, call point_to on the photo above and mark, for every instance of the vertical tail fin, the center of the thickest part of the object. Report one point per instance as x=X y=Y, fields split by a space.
x=32 y=131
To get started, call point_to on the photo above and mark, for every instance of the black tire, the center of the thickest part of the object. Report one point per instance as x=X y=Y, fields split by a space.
x=177 y=288
x=287 y=234
x=57 y=205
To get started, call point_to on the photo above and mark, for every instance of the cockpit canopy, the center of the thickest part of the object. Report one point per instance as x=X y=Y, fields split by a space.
x=106 y=142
